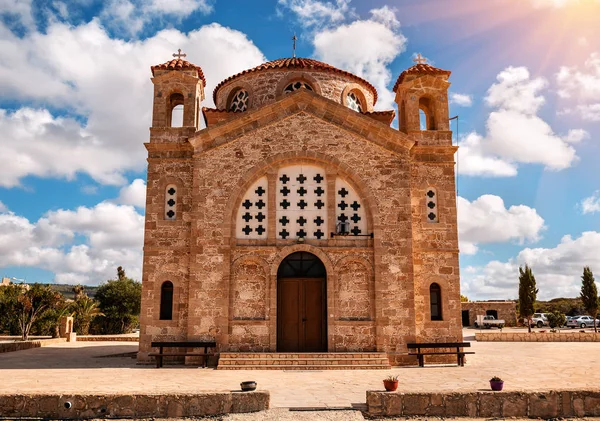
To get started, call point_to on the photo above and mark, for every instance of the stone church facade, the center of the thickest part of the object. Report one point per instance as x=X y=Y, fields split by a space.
x=298 y=219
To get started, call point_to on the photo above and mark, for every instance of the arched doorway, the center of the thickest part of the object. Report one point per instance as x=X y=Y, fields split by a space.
x=301 y=304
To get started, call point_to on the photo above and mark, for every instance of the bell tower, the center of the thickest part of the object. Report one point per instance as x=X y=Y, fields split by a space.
x=178 y=92
x=422 y=99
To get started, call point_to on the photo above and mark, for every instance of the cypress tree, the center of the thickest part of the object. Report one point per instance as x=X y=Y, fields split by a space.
x=527 y=294
x=589 y=294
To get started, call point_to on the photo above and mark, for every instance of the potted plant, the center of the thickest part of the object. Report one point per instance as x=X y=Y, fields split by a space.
x=496 y=383
x=391 y=383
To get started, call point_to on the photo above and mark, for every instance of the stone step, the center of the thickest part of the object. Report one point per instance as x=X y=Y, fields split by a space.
x=303 y=367
x=303 y=361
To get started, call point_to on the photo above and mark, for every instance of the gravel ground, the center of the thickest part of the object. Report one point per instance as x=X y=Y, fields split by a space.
x=282 y=414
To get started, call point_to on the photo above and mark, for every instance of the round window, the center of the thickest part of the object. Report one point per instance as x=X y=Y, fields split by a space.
x=239 y=102
x=294 y=86
x=353 y=102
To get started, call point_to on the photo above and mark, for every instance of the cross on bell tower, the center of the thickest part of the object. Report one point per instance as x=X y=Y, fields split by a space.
x=419 y=59
x=294 y=38
x=178 y=54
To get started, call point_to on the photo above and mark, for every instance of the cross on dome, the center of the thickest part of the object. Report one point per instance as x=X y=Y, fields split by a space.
x=294 y=38
x=178 y=54
x=419 y=59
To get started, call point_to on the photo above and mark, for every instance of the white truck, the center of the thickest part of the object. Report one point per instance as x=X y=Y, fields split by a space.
x=488 y=322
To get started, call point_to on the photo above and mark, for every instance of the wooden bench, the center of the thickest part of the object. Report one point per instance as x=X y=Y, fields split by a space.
x=458 y=352
x=182 y=344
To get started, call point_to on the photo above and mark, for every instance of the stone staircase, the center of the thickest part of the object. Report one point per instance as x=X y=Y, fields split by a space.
x=303 y=361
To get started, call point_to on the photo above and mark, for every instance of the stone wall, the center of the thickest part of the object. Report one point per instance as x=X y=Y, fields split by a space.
x=562 y=336
x=551 y=404
x=507 y=310
x=131 y=406
x=21 y=346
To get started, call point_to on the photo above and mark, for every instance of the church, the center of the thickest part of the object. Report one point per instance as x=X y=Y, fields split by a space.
x=294 y=218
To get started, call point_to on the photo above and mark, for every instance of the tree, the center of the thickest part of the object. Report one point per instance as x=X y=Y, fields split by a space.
x=556 y=319
x=464 y=298
x=30 y=305
x=84 y=311
x=120 y=302
x=589 y=294
x=78 y=292
x=8 y=319
x=527 y=294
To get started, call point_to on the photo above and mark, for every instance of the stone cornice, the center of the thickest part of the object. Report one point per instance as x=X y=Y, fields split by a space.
x=302 y=101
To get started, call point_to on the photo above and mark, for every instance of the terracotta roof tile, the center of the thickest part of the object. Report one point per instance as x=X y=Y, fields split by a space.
x=420 y=69
x=383 y=116
x=297 y=63
x=179 y=64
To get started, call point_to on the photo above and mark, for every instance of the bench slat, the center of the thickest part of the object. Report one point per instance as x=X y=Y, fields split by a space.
x=184 y=344
x=180 y=354
x=439 y=345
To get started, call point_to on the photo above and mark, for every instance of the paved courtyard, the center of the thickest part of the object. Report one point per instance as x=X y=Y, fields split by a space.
x=82 y=367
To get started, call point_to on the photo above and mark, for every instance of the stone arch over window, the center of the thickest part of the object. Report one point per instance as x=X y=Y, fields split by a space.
x=238 y=101
x=295 y=85
x=435 y=301
x=431 y=205
x=426 y=113
x=285 y=81
x=166 y=301
x=171 y=202
x=176 y=109
x=331 y=164
x=353 y=97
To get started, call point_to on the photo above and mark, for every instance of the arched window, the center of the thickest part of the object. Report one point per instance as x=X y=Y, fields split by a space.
x=171 y=202
x=239 y=101
x=294 y=86
x=431 y=207
x=166 y=301
x=353 y=101
x=435 y=300
x=426 y=114
x=176 y=107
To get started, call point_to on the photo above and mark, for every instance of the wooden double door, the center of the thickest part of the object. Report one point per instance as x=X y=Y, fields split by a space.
x=301 y=315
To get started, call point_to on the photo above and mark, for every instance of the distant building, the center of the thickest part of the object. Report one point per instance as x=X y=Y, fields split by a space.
x=5 y=282
x=505 y=310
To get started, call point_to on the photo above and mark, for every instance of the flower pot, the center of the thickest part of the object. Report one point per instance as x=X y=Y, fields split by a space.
x=248 y=386
x=496 y=385
x=390 y=385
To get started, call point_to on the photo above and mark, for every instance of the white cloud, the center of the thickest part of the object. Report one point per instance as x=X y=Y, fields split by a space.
x=134 y=194
x=557 y=270
x=515 y=133
x=473 y=160
x=591 y=204
x=365 y=48
x=317 y=13
x=581 y=88
x=461 y=100
x=21 y=9
x=130 y=16
x=3 y=207
x=113 y=237
x=106 y=83
x=486 y=220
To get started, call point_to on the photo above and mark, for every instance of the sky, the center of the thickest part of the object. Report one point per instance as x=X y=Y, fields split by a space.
x=76 y=98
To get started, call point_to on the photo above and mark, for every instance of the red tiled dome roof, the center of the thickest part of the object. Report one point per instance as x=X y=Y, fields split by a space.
x=420 y=69
x=297 y=63
x=179 y=64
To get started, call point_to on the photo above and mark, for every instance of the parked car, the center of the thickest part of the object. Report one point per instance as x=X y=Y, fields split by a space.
x=582 y=322
x=488 y=322
x=537 y=320
x=567 y=318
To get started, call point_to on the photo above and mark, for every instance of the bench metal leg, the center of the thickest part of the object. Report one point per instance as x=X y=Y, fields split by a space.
x=421 y=361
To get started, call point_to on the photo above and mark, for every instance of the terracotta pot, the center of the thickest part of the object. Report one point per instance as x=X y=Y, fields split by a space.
x=390 y=385
x=248 y=386
x=496 y=385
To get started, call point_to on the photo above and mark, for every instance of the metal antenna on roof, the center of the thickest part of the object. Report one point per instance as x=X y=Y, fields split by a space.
x=294 y=38
x=419 y=59
x=178 y=54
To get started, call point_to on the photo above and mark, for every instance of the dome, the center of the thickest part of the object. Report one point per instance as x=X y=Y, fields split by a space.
x=298 y=64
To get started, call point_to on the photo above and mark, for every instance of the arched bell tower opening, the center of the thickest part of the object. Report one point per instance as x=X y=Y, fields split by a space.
x=301 y=304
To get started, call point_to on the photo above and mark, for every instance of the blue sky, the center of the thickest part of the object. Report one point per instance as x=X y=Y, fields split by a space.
x=75 y=107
